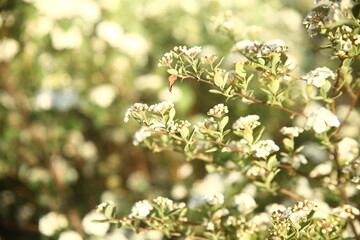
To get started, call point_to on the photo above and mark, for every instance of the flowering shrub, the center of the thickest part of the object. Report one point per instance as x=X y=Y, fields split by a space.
x=260 y=168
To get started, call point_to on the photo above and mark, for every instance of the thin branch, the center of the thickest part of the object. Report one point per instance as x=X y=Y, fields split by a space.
x=352 y=106
x=291 y=194
x=342 y=190
x=255 y=100
x=293 y=113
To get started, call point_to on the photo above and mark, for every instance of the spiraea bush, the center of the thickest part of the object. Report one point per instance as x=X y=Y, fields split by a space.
x=295 y=177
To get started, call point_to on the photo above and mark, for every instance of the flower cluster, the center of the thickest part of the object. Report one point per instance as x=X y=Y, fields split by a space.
x=291 y=131
x=213 y=198
x=299 y=211
x=315 y=21
x=207 y=125
x=8 y=48
x=246 y=123
x=52 y=222
x=137 y=108
x=296 y=161
x=260 y=49
x=192 y=52
x=218 y=110
x=346 y=211
x=345 y=41
x=244 y=202
x=166 y=60
x=168 y=204
x=280 y=225
x=177 y=126
x=348 y=149
x=102 y=206
x=352 y=169
x=329 y=225
x=321 y=120
x=142 y=134
x=264 y=148
x=324 y=14
x=319 y=76
x=141 y=209
x=162 y=107
x=256 y=171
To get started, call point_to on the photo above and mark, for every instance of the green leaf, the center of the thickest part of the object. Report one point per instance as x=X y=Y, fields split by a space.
x=213 y=149
x=239 y=68
x=184 y=132
x=215 y=91
x=110 y=211
x=326 y=87
x=210 y=168
x=225 y=80
x=172 y=71
x=223 y=122
x=218 y=80
x=172 y=114
x=261 y=61
x=272 y=162
x=258 y=134
x=99 y=220
x=348 y=62
x=288 y=143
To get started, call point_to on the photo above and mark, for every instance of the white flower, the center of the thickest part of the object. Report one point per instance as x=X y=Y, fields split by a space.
x=321 y=169
x=213 y=198
x=117 y=234
x=102 y=206
x=218 y=110
x=141 y=135
x=346 y=211
x=240 y=46
x=110 y=32
x=66 y=39
x=295 y=161
x=348 y=149
x=141 y=208
x=321 y=120
x=291 y=131
x=248 y=122
x=103 y=95
x=244 y=202
x=8 y=49
x=176 y=127
x=94 y=228
x=264 y=148
x=162 y=107
x=70 y=235
x=192 y=51
x=136 y=108
x=52 y=222
x=319 y=76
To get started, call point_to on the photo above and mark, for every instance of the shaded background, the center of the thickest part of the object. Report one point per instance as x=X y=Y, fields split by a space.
x=69 y=69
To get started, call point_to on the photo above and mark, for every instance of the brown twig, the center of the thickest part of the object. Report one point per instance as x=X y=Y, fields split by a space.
x=291 y=194
x=352 y=106
x=293 y=113
x=255 y=100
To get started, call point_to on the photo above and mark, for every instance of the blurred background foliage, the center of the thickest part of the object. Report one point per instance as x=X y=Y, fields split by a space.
x=69 y=69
